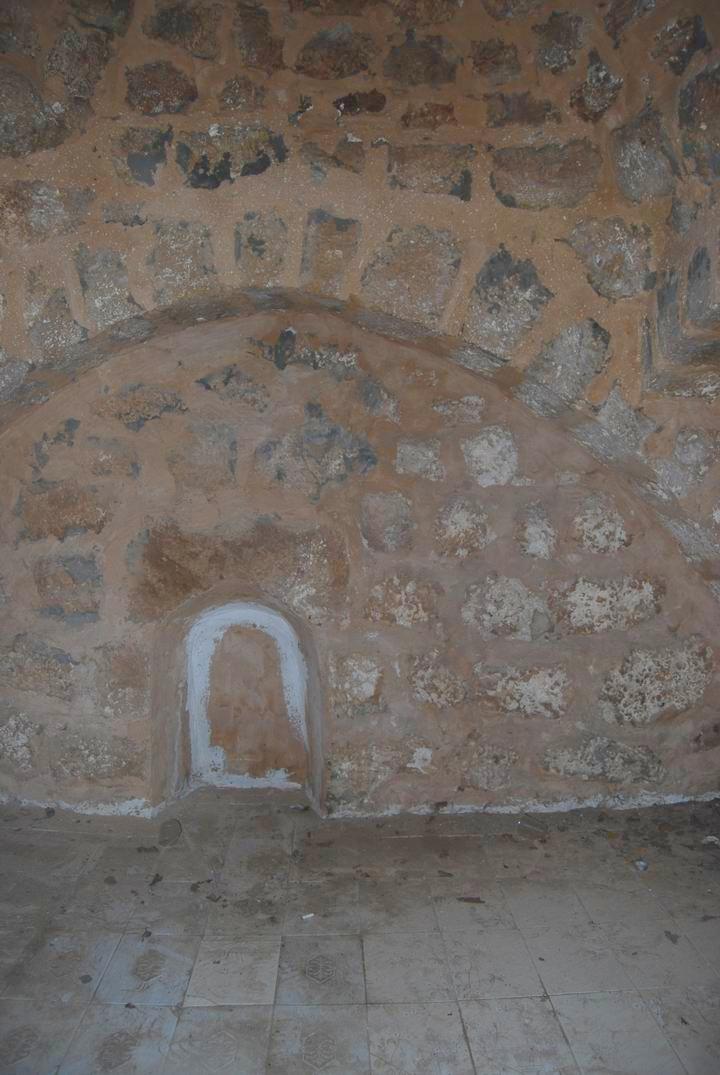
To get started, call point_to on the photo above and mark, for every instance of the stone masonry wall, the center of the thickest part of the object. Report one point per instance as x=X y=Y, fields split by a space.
x=497 y=618
x=523 y=189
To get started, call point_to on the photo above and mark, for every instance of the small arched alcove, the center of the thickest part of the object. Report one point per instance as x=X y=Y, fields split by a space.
x=236 y=699
x=239 y=700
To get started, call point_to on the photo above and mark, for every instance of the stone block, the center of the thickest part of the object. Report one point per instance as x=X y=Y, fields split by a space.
x=139 y=152
x=386 y=522
x=536 y=535
x=435 y=684
x=78 y=59
x=329 y=248
x=104 y=282
x=349 y=156
x=678 y=41
x=643 y=158
x=59 y=509
x=555 y=175
x=421 y=458
x=607 y=760
x=159 y=87
x=75 y=757
x=32 y=211
x=30 y=664
x=260 y=243
x=428 y=116
x=508 y=109
x=110 y=16
x=191 y=24
x=620 y=14
x=559 y=38
x=20 y=740
x=653 y=683
x=136 y=404
x=564 y=368
x=505 y=10
x=319 y=454
x=599 y=91
x=27 y=124
x=599 y=526
x=495 y=60
x=491 y=457
x=525 y=692
x=257 y=47
x=52 y=329
x=403 y=601
x=18 y=34
x=699 y=119
x=69 y=587
x=338 y=52
x=505 y=302
x=421 y=61
x=462 y=529
x=412 y=273
x=425 y=12
x=360 y=102
x=241 y=94
x=432 y=169
x=225 y=153
x=616 y=256
x=181 y=259
x=591 y=606
x=501 y=607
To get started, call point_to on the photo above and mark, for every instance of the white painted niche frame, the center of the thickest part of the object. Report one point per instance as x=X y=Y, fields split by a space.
x=207 y=762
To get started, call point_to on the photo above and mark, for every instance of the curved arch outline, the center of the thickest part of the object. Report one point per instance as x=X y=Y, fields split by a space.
x=207 y=763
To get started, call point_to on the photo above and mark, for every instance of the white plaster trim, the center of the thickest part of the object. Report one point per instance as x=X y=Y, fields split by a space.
x=142 y=808
x=207 y=763
x=559 y=806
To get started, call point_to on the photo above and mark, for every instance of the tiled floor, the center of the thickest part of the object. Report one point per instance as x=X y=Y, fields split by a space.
x=253 y=938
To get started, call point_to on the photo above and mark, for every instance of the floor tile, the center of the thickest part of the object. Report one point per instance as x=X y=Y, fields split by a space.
x=704 y=934
x=126 y=1041
x=323 y=907
x=402 y=969
x=327 y=1040
x=101 y=905
x=576 y=961
x=480 y=906
x=240 y=972
x=172 y=909
x=35 y=1037
x=399 y=906
x=491 y=963
x=219 y=1041
x=68 y=966
x=257 y=911
x=615 y=1032
x=520 y=1036
x=153 y=971
x=660 y=958
x=690 y=1020
x=537 y=906
x=418 y=1038
x=632 y=904
x=321 y=970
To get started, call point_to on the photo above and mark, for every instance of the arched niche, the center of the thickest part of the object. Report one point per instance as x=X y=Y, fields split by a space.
x=183 y=756
x=208 y=763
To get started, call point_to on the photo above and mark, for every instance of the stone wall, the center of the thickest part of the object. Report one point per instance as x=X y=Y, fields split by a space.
x=522 y=191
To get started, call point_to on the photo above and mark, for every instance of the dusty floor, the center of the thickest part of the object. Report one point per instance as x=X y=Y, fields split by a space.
x=245 y=935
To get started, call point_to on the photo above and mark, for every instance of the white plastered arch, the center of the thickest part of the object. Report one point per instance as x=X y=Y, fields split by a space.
x=207 y=762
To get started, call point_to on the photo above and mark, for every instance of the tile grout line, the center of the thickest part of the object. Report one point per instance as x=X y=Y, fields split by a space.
x=458 y=1006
